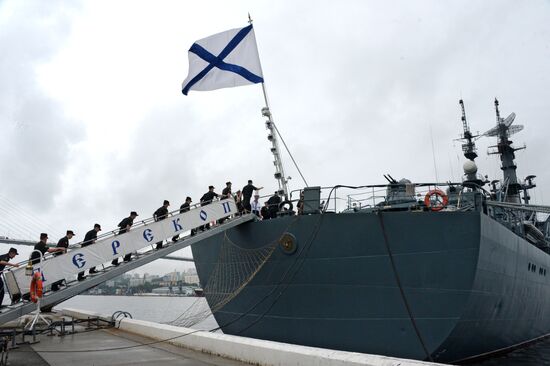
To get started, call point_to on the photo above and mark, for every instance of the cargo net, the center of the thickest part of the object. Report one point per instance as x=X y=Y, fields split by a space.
x=234 y=269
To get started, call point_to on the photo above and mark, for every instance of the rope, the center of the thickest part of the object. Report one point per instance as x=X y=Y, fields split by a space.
x=394 y=269
x=304 y=250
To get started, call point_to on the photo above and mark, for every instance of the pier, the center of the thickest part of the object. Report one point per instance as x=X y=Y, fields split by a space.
x=129 y=341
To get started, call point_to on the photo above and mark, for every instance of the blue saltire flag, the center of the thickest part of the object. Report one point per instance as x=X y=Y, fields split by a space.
x=224 y=60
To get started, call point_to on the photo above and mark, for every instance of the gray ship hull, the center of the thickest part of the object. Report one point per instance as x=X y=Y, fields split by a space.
x=460 y=285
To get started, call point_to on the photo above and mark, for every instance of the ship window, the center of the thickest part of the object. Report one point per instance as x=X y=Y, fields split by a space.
x=529 y=266
x=534 y=268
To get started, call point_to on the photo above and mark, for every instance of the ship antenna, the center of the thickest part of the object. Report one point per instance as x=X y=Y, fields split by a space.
x=497 y=111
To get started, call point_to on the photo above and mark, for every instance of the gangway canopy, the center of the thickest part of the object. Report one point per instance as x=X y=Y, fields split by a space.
x=112 y=246
x=75 y=287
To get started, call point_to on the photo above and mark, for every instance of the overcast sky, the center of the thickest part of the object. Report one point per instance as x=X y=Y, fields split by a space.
x=94 y=125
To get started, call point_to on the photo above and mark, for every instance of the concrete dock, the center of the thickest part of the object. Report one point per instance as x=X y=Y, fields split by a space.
x=53 y=351
x=137 y=342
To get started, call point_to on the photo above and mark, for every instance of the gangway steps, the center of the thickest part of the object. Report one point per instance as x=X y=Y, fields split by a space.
x=75 y=287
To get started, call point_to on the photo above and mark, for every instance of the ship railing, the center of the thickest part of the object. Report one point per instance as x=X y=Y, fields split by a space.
x=342 y=198
x=114 y=232
x=521 y=218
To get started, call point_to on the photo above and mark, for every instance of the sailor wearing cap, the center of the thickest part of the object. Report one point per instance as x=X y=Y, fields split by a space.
x=42 y=247
x=4 y=261
x=206 y=199
x=89 y=239
x=160 y=214
x=209 y=196
x=125 y=226
x=184 y=208
x=64 y=241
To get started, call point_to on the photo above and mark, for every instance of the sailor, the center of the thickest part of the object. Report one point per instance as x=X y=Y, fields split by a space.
x=42 y=247
x=184 y=208
x=209 y=196
x=265 y=212
x=4 y=261
x=247 y=194
x=255 y=206
x=300 y=205
x=226 y=193
x=125 y=226
x=89 y=239
x=239 y=202
x=160 y=214
x=206 y=199
x=273 y=204
x=62 y=243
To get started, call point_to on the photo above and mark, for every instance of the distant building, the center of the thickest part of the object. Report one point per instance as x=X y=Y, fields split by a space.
x=134 y=282
x=110 y=283
x=191 y=278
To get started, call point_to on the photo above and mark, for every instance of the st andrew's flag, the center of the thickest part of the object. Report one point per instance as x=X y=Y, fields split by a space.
x=224 y=60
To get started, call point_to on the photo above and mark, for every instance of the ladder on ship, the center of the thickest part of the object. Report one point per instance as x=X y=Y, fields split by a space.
x=74 y=287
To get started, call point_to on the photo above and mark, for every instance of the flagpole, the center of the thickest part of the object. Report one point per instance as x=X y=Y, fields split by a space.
x=282 y=180
x=272 y=136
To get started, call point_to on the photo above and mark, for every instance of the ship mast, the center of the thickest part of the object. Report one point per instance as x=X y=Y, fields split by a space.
x=469 y=148
x=510 y=186
x=470 y=151
x=272 y=136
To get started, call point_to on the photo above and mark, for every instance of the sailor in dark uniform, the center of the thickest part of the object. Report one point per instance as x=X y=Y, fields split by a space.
x=89 y=239
x=62 y=243
x=206 y=199
x=186 y=206
x=4 y=261
x=273 y=204
x=42 y=247
x=160 y=214
x=247 y=195
x=125 y=226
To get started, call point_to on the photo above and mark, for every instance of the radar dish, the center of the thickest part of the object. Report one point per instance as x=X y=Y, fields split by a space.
x=514 y=129
x=492 y=132
x=509 y=120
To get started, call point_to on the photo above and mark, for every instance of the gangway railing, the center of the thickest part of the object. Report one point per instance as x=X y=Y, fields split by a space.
x=65 y=267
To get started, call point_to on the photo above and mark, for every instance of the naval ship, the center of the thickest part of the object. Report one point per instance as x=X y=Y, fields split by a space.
x=448 y=272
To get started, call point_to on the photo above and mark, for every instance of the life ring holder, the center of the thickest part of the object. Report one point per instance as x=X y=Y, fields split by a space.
x=436 y=200
x=37 y=287
x=282 y=206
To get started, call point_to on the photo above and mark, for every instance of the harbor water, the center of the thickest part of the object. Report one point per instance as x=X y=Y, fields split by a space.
x=165 y=309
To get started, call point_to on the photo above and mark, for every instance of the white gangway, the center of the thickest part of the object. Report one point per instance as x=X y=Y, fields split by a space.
x=143 y=235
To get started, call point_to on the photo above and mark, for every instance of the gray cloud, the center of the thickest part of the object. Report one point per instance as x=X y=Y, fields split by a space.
x=36 y=134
